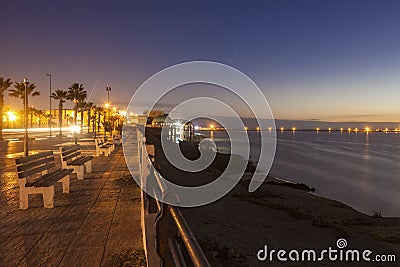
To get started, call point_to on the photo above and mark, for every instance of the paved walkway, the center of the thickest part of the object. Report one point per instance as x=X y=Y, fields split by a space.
x=99 y=218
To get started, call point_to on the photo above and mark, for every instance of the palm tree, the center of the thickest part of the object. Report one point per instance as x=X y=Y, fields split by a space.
x=31 y=113
x=4 y=85
x=41 y=114
x=99 y=110
x=88 y=107
x=61 y=96
x=82 y=107
x=77 y=94
x=19 y=91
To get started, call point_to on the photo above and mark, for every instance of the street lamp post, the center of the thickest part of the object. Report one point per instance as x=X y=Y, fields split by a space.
x=26 y=149
x=76 y=122
x=50 y=104
x=108 y=89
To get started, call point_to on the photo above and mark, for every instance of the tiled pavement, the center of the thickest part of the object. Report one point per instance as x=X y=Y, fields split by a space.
x=97 y=219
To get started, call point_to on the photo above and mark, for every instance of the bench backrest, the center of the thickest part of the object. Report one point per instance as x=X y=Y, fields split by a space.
x=30 y=165
x=70 y=152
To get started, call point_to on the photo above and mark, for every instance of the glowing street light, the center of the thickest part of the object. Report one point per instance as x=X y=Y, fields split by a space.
x=212 y=126
x=11 y=118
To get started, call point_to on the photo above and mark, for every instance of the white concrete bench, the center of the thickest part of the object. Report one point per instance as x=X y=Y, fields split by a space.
x=71 y=158
x=111 y=142
x=37 y=175
x=102 y=147
x=117 y=139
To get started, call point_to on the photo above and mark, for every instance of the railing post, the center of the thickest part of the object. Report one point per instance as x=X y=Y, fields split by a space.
x=165 y=229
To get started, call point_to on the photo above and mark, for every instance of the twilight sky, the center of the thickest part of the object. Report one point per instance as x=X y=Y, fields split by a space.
x=323 y=60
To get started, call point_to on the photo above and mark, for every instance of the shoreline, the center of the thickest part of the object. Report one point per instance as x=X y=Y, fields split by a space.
x=232 y=229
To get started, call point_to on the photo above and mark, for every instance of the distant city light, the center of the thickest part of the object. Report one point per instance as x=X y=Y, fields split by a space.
x=212 y=126
x=367 y=129
x=356 y=129
x=196 y=127
x=282 y=128
x=329 y=129
x=245 y=128
x=294 y=129
x=341 y=129
x=258 y=128
x=349 y=129
x=317 y=129
x=270 y=129
x=107 y=105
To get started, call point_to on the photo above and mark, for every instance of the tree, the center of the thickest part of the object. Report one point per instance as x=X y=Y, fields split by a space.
x=4 y=85
x=88 y=108
x=77 y=94
x=61 y=96
x=99 y=111
x=19 y=92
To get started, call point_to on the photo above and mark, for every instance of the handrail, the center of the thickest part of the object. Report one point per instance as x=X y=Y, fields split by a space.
x=170 y=217
x=194 y=250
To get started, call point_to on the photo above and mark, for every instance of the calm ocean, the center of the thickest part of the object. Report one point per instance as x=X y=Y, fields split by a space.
x=359 y=169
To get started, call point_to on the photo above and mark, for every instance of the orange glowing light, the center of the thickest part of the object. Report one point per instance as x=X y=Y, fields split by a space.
x=11 y=116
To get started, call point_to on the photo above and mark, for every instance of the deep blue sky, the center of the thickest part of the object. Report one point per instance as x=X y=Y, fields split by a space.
x=324 y=59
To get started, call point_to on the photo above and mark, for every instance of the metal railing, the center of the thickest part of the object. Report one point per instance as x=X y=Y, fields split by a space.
x=167 y=236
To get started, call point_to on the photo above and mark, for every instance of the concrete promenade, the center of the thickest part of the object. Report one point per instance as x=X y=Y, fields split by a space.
x=90 y=226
